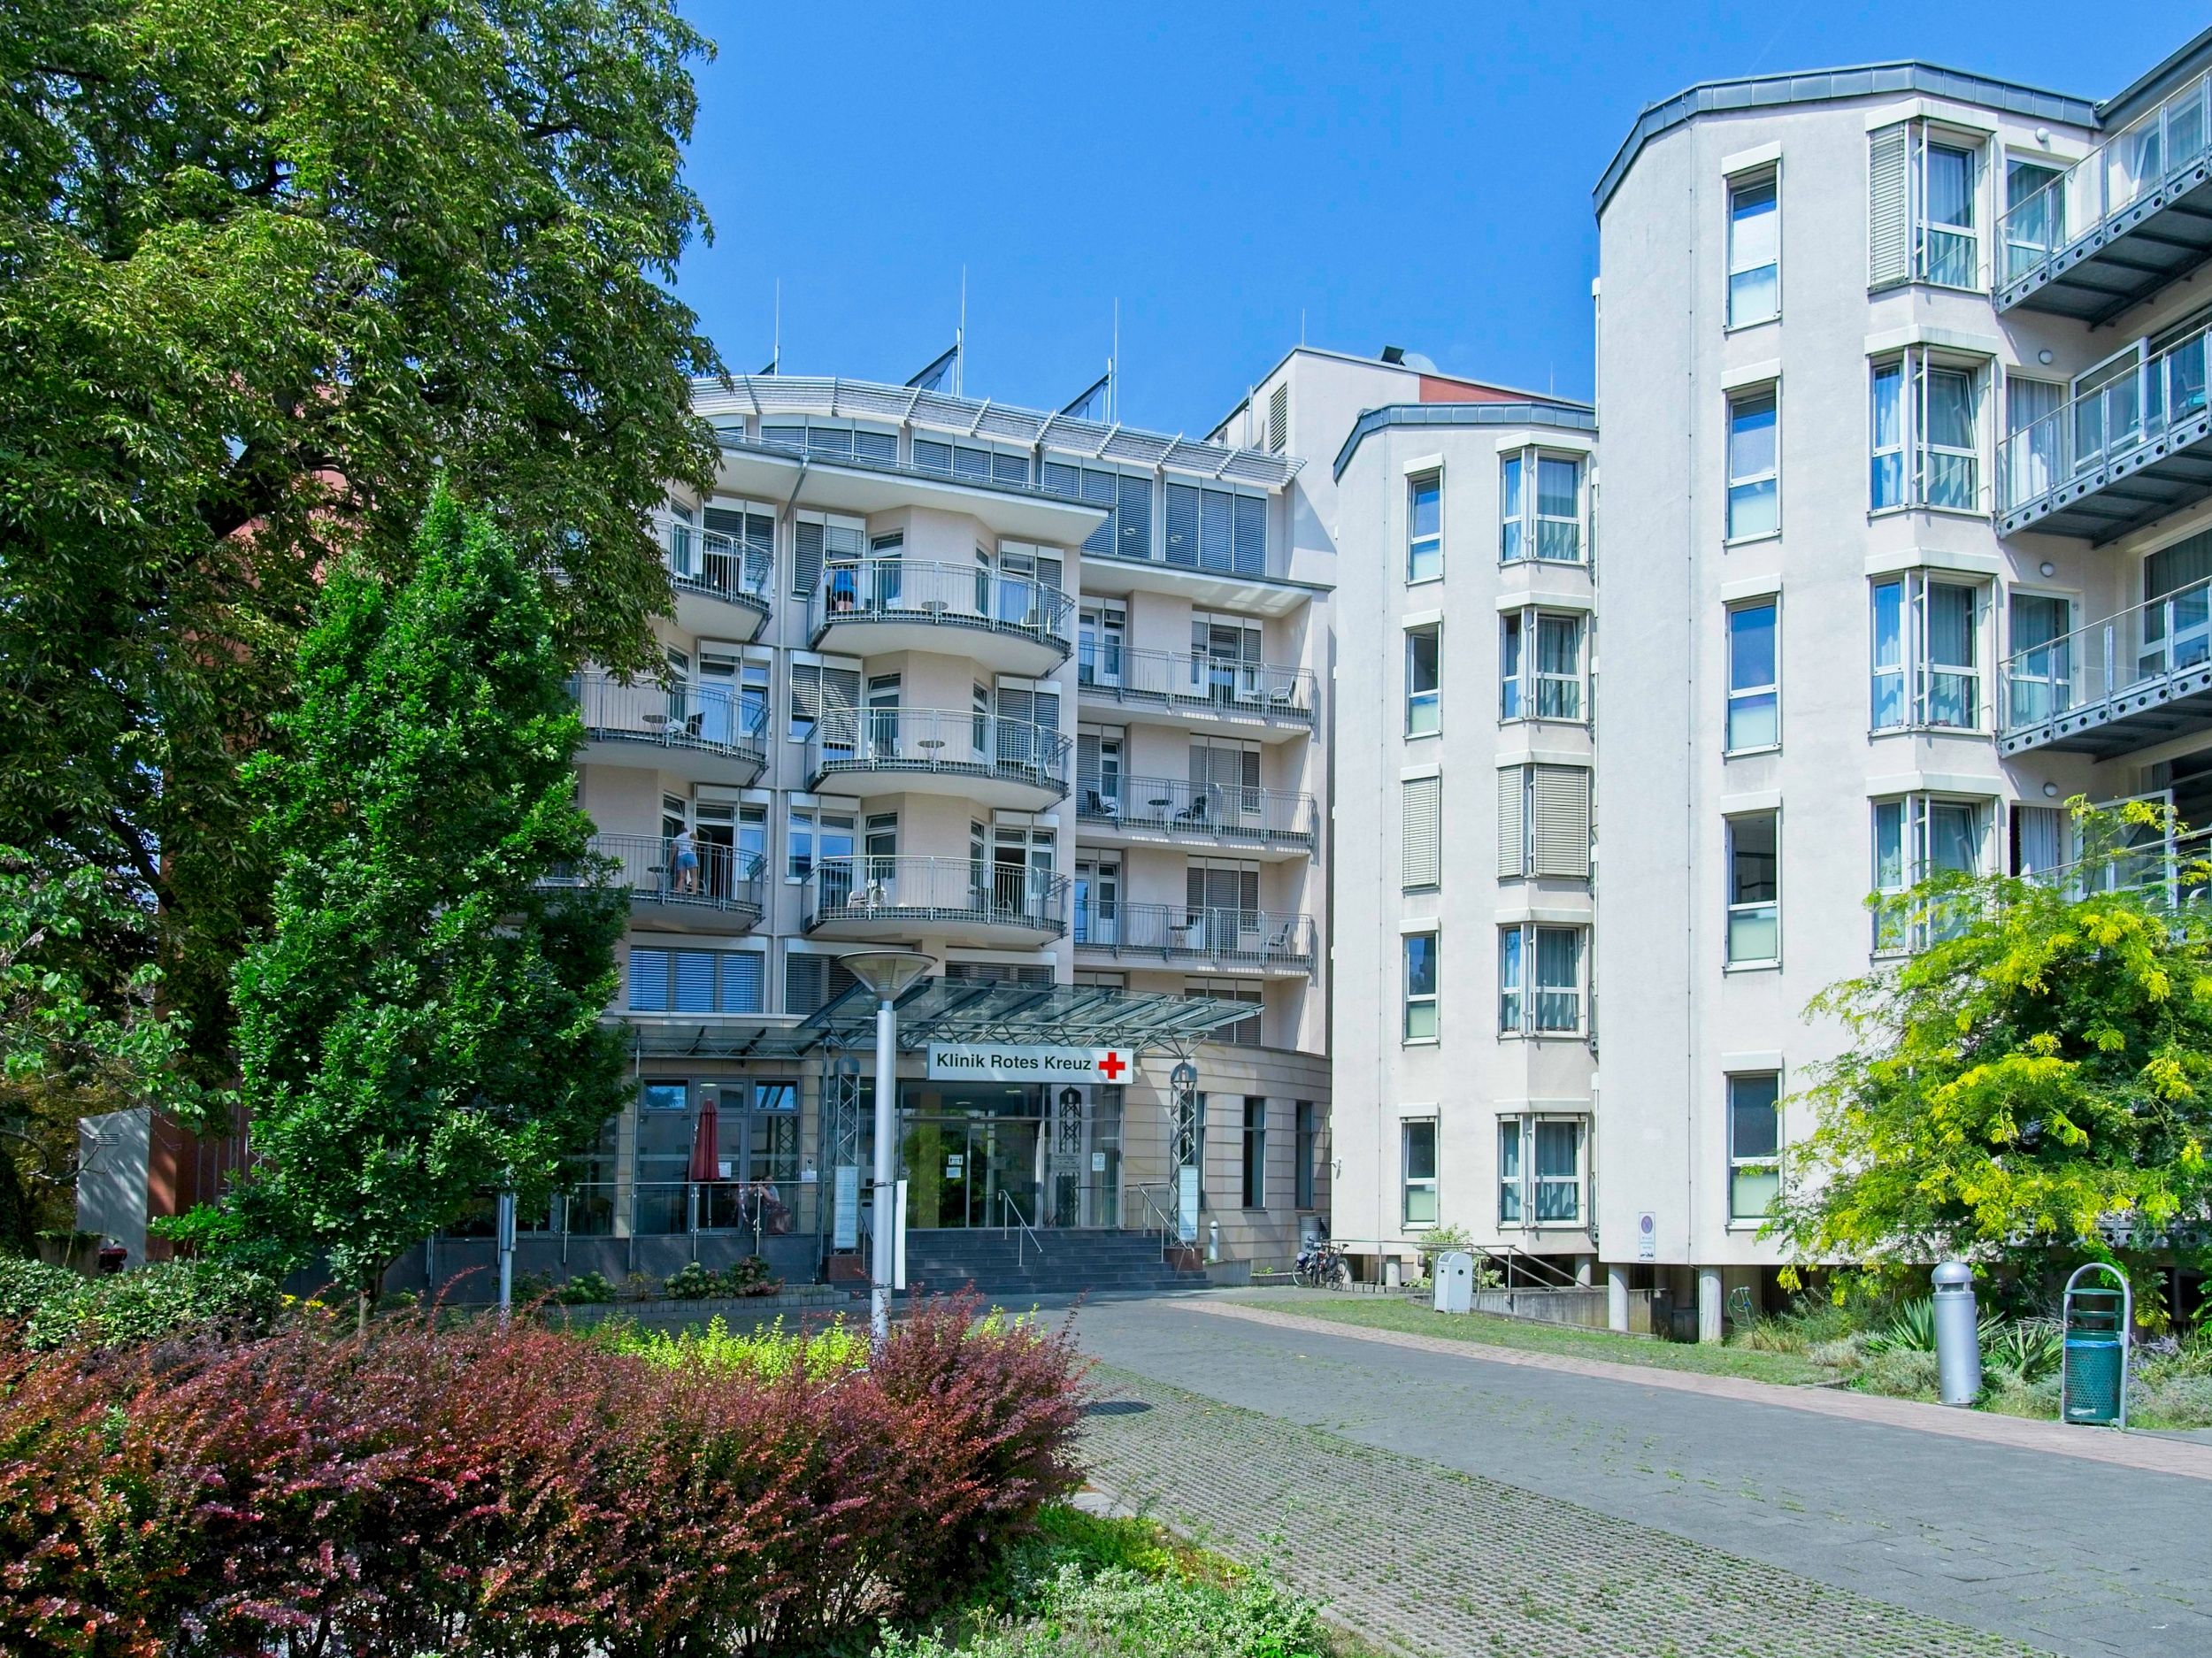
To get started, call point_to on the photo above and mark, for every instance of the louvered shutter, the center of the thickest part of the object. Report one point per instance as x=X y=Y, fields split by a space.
x=1132 y=519
x=1279 y=419
x=806 y=695
x=726 y=521
x=806 y=559
x=648 y=981
x=741 y=982
x=1251 y=544
x=1423 y=831
x=932 y=456
x=803 y=983
x=1061 y=479
x=841 y=707
x=695 y=981
x=1087 y=768
x=1098 y=488
x=1512 y=833
x=1182 y=524
x=1889 y=204
x=1009 y=469
x=1562 y=837
x=875 y=446
x=1215 y=512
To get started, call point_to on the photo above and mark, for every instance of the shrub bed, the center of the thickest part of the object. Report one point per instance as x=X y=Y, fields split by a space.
x=471 y=1490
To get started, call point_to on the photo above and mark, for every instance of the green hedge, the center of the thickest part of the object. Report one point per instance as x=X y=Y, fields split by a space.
x=55 y=1306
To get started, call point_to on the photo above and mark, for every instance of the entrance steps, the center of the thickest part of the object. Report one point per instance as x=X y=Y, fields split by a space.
x=1009 y=1266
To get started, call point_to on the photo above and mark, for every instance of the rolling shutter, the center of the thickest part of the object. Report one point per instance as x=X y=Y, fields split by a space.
x=1562 y=837
x=1889 y=204
x=806 y=559
x=741 y=982
x=648 y=981
x=1182 y=524
x=1512 y=834
x=695 y=981
x=1424 y=831
x=1132 y=519
x=1250 y=558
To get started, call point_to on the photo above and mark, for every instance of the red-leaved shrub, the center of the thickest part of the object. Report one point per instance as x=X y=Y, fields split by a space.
x=474 y=1490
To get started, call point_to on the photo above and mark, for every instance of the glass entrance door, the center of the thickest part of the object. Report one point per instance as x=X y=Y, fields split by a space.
x=962 y=1172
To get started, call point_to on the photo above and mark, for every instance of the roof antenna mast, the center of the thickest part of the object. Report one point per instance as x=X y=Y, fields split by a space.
x=960 y=341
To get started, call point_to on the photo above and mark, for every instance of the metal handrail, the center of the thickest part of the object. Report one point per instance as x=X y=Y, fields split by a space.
x=704 y=717
x=2108 y=425
x=646 y=865
x=962 y=740
x=2125 y=652
x=1244 y=937
x=901 y=589
x=2161 y=863
x=1167 y=1228
x=1217 y=812
x=707 y=561
x=1006 y=1205
x=1196 y=681
x=2109 y=180
x=904 y=887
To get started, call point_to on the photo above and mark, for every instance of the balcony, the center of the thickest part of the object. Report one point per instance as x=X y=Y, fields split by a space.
x=2115 y=686
x=1011 y=623
x=2115 y=458
x=722 y=588
x=703 y=732
x=2144 y=201
x=1198 y=937
x=1249 y=698
x=871 y=899
x=985 y=758
x=1156 y=810
x=722 y=894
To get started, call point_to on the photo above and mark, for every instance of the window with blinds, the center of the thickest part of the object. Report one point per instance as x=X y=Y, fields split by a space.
x=1039 y=975
x=1244 y=1032
x=695 y=981
x=1423 y=832
x=1216 y=529
x=1544 y=821
x=814 y=539
x=812 y=982
x=1889 y=204
x=1126 y=496
x=826 y=695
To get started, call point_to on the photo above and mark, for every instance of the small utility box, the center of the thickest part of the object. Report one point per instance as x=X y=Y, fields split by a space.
x=1453 y=1273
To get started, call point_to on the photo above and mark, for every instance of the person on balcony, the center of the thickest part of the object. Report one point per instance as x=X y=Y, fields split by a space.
x=683 y=854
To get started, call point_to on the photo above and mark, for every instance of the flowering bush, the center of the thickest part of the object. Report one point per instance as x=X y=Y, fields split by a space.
x=477 y=1490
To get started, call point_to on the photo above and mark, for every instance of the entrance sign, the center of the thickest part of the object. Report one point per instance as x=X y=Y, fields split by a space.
x=1001 y=1061
x=1646 y=1236
x=845 y=1232
x=1186 y=1204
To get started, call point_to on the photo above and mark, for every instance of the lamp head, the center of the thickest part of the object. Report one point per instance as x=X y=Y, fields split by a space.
x=887 y=974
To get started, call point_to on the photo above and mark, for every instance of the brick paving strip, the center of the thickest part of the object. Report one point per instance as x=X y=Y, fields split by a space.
x=2191 y=1459
x=1432 y=1560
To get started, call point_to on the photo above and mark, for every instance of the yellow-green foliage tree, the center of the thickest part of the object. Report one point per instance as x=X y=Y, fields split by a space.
x=2034 y=1082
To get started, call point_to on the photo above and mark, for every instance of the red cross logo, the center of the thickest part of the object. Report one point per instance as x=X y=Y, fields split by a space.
x=1112 y=1065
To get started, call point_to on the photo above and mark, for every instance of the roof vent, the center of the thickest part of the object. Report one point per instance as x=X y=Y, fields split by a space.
x=1393 y=354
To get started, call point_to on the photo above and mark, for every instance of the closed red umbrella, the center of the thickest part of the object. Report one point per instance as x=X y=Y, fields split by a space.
x=704 y=1166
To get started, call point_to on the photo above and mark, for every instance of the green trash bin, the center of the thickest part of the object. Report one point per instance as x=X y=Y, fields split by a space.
x=2095 y=1375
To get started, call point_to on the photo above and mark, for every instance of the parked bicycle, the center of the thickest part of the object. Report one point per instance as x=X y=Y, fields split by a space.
x=1321 y=1266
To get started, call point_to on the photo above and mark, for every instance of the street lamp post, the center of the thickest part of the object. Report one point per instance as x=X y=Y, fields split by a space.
x=886 y=975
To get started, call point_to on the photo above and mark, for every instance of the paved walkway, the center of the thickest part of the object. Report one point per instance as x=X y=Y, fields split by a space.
x=1462 y=1501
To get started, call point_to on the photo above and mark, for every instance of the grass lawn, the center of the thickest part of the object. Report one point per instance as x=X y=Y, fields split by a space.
x=1393 y=1312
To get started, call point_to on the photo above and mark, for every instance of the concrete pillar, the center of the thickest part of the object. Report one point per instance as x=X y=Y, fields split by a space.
x=1584 y=1265
x=1709 y=1303
x=1617 y=1299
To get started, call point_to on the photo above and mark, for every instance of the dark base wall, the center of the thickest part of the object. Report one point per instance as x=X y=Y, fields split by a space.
x=467 y=1268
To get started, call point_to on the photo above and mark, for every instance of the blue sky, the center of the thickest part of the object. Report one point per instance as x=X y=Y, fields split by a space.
x=1408 y=175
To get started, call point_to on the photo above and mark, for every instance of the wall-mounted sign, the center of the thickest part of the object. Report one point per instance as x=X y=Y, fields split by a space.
x=1646 y=1236
x=845 y=1208
x=1001 y=1061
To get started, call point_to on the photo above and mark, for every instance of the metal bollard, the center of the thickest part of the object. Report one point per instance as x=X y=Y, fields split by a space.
x=1958 y=1340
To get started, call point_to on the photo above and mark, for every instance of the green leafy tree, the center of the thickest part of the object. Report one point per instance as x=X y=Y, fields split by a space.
x=424 y=1023
x=2035 y=1080
x=267 y=268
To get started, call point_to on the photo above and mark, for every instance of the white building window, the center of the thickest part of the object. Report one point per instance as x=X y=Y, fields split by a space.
x=1539 y=1171
x=1544 y=682
x=1922 y=207
x=1755 y=487
x=1416 y=1162
x=1755 y=910
x=1925 y=636
x=1755 y=250
x=1916 y=836
x=1424 y=682
x=1552 y=958
x=1420 y=1024
x=1424 y=528
x=1754 y=684
x=1923 y=426
x=1544 y=822
x=1754 y=1145
x=1539 y=507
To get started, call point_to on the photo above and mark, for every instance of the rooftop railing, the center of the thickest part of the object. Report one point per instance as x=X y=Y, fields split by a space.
x=1252 y=939
x=923 y=890
x=707 y=561
x=2109 y=180
x=2108 y=425
x=2092 y=665
x=959 y=741
x=652 y=867
x=1195 y=682
x=704 y=719
x=1210 y=812
x=946 y=595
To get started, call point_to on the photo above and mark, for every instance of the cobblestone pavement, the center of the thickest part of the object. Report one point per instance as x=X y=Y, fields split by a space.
x=1457 y=1506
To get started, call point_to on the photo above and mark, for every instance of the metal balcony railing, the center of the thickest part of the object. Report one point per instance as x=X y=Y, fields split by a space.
x=704 y=719
x=942 y=595
x=648 y=866
x=1252 y=939
x=1210 y=811
x=923 y=890
x=707 y=561
x=2171 y=868
x=1195 y=682
x=937 y=741
x=2101 y=427
x=2092 y=671
x=2109 y=180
